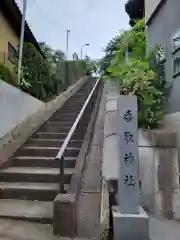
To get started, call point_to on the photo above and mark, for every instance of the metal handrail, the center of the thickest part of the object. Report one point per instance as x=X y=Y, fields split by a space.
x=60 y=155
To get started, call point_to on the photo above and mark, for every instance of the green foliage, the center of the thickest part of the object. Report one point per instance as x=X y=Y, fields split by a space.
x=131 y=66
x=7 y=75
x=119 y=42
x=39 y=77
x=91 y=65
x=110 y=52
x=42 y=78
x=51 y=55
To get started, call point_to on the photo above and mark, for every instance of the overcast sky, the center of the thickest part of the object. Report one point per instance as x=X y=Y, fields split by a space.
x=90 y=21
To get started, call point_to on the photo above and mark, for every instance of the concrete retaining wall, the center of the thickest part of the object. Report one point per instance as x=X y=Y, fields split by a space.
x=15 y=107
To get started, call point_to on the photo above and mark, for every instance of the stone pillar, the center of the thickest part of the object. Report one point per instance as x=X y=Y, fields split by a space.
x=129 y=220
x=128 y=185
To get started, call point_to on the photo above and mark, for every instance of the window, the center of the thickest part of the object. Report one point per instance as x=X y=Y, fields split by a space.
x=160 y=54
x=161 y=72
x=12 y=53
x=176 y=41
x=176 y=65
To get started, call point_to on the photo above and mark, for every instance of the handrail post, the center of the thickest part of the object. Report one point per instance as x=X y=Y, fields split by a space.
x=62 y=174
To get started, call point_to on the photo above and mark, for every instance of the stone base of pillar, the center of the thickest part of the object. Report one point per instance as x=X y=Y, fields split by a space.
x=130 y=226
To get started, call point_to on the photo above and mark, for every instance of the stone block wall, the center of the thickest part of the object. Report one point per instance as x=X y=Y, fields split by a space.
x=159 y=172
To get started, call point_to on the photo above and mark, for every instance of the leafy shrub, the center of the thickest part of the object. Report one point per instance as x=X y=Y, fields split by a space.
x=44 y=79
x=137 y=77
x=38 y=76
x=7 y=75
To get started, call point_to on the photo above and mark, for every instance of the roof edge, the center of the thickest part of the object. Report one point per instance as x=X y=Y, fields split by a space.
x=153 y=15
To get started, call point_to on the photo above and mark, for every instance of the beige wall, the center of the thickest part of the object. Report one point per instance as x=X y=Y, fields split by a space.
x=7 y=35
x=150 y=6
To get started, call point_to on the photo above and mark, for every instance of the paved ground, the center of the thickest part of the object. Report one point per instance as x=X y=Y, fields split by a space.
x=160 y=229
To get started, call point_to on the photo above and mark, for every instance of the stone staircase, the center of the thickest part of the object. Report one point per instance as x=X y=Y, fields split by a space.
x=30 y=183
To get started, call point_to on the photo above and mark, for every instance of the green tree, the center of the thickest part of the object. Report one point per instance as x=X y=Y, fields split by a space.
x=47 y=51
x=39 y=77
x=135 y=9
x=52 y=55
x=92 y=65
x=137 y=77
x=59 y=55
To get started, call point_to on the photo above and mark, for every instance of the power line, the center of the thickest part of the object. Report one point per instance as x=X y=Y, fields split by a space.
x=46 y=14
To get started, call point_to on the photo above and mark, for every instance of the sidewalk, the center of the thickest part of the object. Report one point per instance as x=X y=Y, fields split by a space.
x=162 y=229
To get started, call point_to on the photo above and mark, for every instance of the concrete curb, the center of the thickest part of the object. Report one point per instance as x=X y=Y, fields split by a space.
x=93 y=205
x=111 y=138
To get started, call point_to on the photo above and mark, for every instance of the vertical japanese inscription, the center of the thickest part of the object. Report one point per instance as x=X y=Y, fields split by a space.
x=129 y=180
x=129 y=165
x=128 y=115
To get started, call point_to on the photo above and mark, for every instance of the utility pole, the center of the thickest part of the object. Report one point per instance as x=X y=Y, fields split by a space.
x=21 y=40
x=67 y=44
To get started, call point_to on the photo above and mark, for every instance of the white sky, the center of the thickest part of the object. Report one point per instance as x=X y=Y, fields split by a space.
x=90 y=21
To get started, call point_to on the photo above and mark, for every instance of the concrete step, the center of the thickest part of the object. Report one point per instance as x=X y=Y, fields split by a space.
x=64 y=117
x=71 y=105
x=38 y=211
x=46 y=151
x=72 y=109
x=60 y=123
x=34 y=161
x=34 y=174
x=29 y=191
x=57 y=129
x=53 y=135
x=50 y=143
x=65 y=112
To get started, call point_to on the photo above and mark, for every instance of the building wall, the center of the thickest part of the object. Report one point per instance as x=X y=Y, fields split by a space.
x=150 y=6
x=160 y=30
x=7 y=35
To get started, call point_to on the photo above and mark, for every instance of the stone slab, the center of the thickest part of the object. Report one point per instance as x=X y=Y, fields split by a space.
x=89 y=215
x=26 y=209
x=23 y=230
x=163 y=138
x=111 y=123
x=111 y=105
x=92 y=177
x=110 y=166
x=130 y=226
